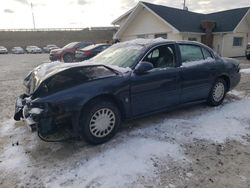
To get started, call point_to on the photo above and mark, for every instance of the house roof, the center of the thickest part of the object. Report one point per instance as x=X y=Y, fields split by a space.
x=187 y=21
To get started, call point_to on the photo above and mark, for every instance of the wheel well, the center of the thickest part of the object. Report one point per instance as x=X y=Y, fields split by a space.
x=67 y=53
x=108 y=97
x=226 y=78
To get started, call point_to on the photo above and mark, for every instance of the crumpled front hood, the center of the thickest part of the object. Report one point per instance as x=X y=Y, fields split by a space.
x=46 y=70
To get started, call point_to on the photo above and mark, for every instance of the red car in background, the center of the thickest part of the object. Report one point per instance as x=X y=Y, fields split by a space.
x=67 y=53
x=90 y=51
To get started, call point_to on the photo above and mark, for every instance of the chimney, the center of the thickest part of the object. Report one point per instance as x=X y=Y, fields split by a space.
x=208 y=27
x=184 y=6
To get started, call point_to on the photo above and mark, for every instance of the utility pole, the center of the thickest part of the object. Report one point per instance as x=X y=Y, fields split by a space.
x=33 y=17
x=184 y=5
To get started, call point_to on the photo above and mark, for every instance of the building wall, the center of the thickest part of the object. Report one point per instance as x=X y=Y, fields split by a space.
x=188 y=36
x=10 y=39
x=233 y=51
x=145 y=23
x=242 y=30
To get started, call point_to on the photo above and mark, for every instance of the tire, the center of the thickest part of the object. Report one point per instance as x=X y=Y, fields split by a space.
x=99 y=122
x=217 y=93
x=68 y=58
x=248 y=57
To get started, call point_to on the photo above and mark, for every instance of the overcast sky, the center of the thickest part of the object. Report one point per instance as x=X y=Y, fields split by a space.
x=87 y=13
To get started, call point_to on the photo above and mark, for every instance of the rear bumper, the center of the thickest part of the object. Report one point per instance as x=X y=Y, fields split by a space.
x=234 y=80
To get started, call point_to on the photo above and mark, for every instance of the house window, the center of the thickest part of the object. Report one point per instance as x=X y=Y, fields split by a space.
x=192 y=39
x=162 y=35
x=237 y=41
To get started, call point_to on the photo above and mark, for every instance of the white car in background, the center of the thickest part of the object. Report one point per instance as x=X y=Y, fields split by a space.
x=3 y=50
x=17 y=50
x=33 y=50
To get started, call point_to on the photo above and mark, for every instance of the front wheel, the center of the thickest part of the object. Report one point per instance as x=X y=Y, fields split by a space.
x=217 y=93
x=100 y=121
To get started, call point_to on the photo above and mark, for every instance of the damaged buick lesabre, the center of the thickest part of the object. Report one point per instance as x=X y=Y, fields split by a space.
x=126 y=81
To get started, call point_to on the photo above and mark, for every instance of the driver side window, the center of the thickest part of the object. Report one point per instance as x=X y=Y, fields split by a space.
x=162 y=56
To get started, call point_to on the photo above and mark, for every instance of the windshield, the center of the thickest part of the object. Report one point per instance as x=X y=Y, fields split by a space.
x=119 y=55
x=70 y=45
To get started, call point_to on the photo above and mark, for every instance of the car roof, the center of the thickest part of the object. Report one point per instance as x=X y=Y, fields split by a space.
x=93 y=46
x=157 y=41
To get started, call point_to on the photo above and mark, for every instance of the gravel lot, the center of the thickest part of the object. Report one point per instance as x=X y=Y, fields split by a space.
x=197 y=146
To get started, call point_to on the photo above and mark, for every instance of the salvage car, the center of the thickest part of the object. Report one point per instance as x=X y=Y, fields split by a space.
x=67 y=53
x=248 y=51
x=3 y=50
x=90 y=51
x=128 y=80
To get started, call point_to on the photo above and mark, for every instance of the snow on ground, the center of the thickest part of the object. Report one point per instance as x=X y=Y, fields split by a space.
x=245 y=71
x=132 y=155
x=121 y=165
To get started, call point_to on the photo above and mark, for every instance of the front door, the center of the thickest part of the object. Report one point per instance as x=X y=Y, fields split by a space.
x=160 y=87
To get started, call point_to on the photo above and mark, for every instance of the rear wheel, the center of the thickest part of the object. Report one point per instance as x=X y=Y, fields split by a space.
x=217 y=93
x=100 y=121
x=68 y=58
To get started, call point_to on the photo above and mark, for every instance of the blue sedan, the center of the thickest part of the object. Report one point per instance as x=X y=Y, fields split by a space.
x=126 y=81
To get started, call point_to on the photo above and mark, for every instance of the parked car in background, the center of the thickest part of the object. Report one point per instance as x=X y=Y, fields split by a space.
x=3 y=50
x=128 y=80
x=50 y=47
x=17 y=50
x=33 y=50
x=248 y=51
x=90 y=51
x=67 y=53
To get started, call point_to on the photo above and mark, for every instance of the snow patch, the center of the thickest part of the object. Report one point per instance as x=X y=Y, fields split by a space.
x=199 y=62
x=35 y=111
x=245 y=71
x=121 y=164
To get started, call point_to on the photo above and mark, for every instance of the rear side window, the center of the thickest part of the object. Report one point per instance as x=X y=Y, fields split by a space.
x=190 y=53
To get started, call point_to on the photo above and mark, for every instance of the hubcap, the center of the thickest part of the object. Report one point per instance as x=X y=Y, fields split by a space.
x=219 y=91
x=102 y=122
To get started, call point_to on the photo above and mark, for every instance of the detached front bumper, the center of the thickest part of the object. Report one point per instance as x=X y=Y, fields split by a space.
x=36 y=118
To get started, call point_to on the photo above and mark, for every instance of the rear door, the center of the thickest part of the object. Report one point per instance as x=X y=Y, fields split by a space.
x=160 y=87
x=198 y=70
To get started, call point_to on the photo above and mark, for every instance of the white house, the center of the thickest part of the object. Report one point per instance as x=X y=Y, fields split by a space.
x=228 y=32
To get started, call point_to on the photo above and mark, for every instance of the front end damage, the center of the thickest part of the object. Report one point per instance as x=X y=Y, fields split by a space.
x=45 y=118
x=38 y=117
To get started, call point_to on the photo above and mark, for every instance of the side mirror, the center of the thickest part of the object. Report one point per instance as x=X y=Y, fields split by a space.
x=143 y=67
